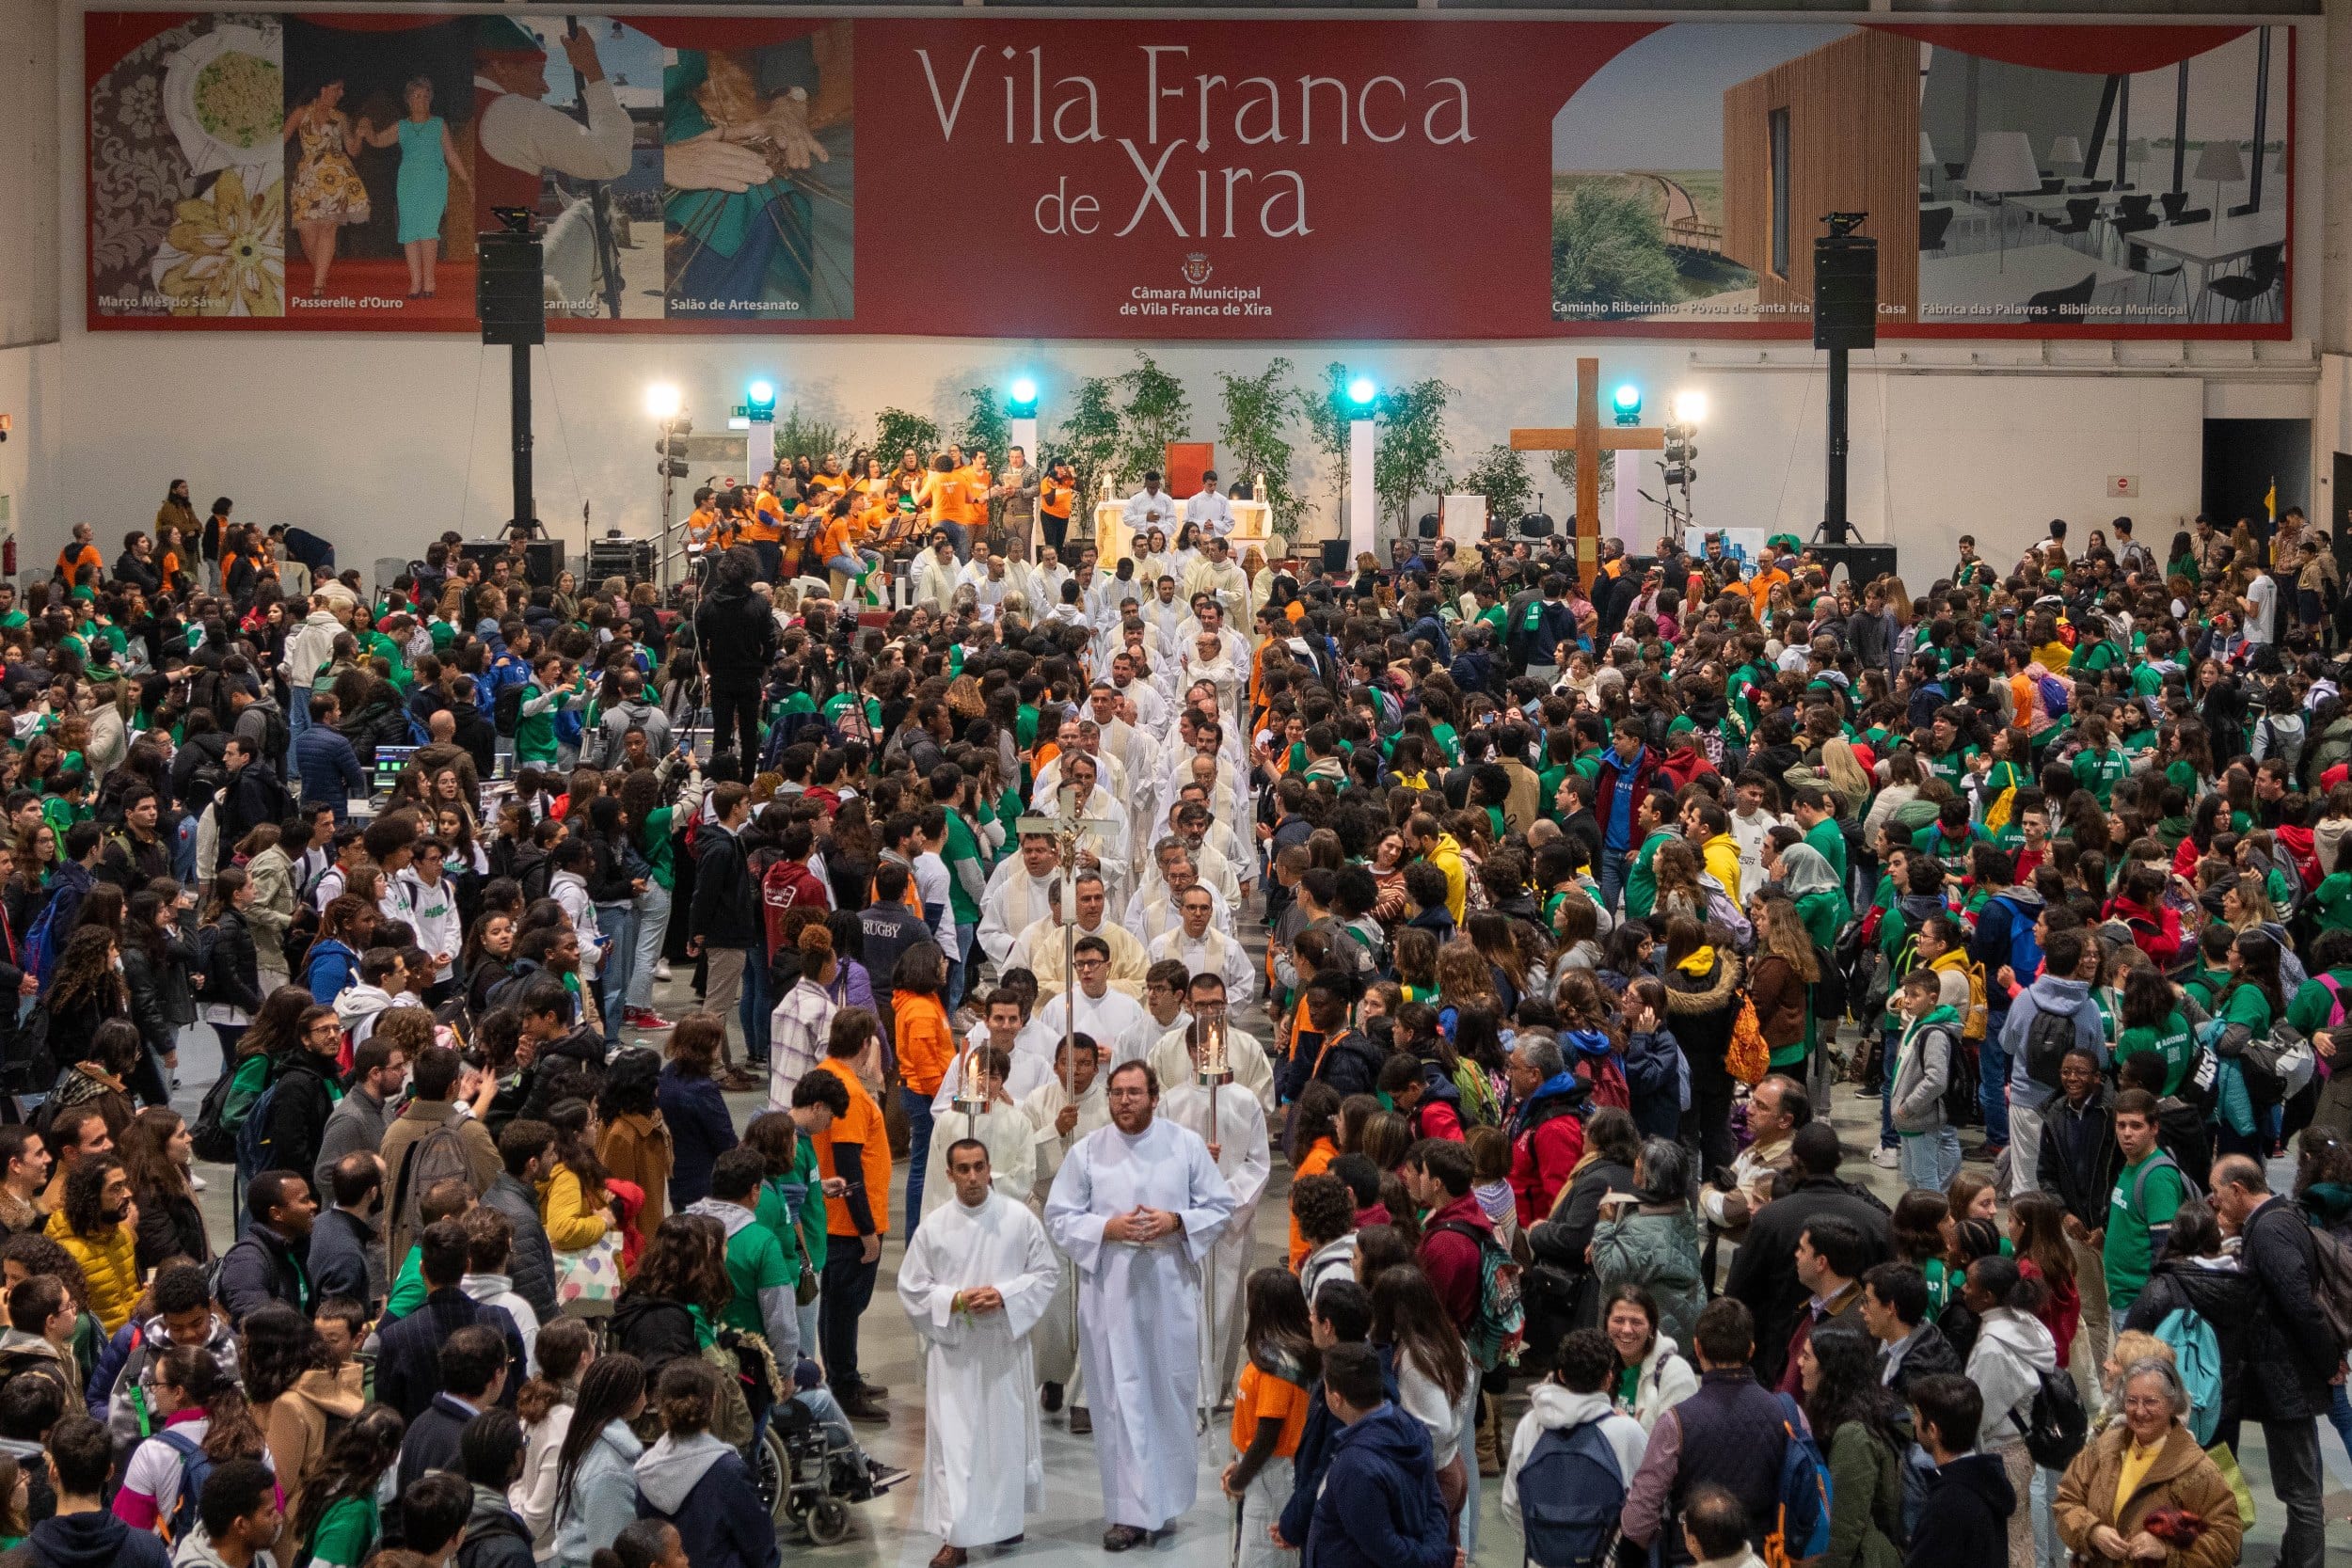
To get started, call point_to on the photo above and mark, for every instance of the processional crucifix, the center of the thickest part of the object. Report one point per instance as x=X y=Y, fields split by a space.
x=1588 y=440
x=1066 y=827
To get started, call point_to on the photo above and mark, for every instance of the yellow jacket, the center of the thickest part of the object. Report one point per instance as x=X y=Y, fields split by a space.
x=1446 y=855
x=110 y=1262
x=1721 y=854
x=573 y=1219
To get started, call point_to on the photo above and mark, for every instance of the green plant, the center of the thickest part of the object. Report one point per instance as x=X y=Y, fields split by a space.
x=1563 y=465
x=1408 y=457
x=1157 y=412
x=1609 y=247
x=985 y=428
x=1327 y=413
x=1257 y=408
x=803 y=435
x=896 y=431
x=1088 y=439
x=1500 y=475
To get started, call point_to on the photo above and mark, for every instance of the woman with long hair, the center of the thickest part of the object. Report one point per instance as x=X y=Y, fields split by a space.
x=701 y=1128
x=299 y=1389
x=576 y=1206
x=670 y=1306
x=200 y=1402
x=596 y=1490
x=1436 y=1383
x=85 y=992
x=233 y=977
x=160 y=999
x=1703 y=998
x=157 y=1155
x=1653 y=1373
x=486 y=959
x=634 y=1141
x=2036 y=1237
x=1781 y=976
x=337 y=1524
x=548 y=1404
x=1852 y=1418
x=1314 y=1144
x=1269 y=1403
x=2246 y=1006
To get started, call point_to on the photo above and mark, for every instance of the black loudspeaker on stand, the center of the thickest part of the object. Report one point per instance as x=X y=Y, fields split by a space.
x=1845 y=317
x=510 y=297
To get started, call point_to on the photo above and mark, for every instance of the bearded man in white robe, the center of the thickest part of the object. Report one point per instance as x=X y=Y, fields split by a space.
x=1138 y=1206
x=978 y=1275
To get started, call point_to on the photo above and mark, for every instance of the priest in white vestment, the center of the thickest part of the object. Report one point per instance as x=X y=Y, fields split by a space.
x=1039 y=949
x=1093 y=1006
x=1252 y=1068
x=1153 y=909
x=1000 y=1127
x=1202 y=949
x=978 y=1275
x=1236 y=1137
x=1060 y=1115
x=1138 y=1206
x=1018 y=895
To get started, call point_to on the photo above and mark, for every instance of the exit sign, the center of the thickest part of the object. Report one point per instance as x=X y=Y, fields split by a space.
x=2123 y=487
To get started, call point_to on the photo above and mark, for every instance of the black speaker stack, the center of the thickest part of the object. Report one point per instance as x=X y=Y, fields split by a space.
x=510 y=288
x=543 y=559
x=1846 y=292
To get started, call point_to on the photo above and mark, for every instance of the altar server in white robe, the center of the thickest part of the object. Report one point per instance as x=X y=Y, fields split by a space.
x=1253 y=1069
x=1101 y=845
x=1237 y=1142
x=1203 y=949
x=1060 y=1116
x=978 y=1276
x=1018 y=894
x=1025 y=1042
x=1138 y=1206
x=1001 y=1127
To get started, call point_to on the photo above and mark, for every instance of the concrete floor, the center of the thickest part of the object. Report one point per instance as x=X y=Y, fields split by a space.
x=1068 y=1531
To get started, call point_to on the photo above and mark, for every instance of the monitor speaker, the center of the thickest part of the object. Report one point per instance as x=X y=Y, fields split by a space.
x=1845 y=291
x=543 y=559
x=510 y=288
x=1335 y=555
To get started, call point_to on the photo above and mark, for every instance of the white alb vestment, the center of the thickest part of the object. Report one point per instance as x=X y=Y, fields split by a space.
x=1211 y=952
x=1139 y=1309
x=1012 y=903
x=1252 y=1069
x=1011 y=1152
x=1243 y=1159
x=1055 y=1340
x=983 y=1470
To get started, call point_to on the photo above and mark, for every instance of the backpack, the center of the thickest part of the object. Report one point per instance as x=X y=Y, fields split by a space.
x=506 y=710
x=201 y=973
x=2054 y=695
x=1801 y=1511
x=2024 y=953
x=196 y=1468
x=256 y=1148
x=2278 y=1064
x=1571 y=1492
x=1500 y=1323
x=213 y=1135
x=46 y=940
x=2196 y=1356
x=2048 y=1039
x=2331 y=1282
x=2057 y=1425
x=439 y=1156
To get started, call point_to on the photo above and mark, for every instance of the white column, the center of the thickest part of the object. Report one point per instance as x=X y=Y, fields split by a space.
x=1363 y=508
x=1626 y=471
x=759 y=451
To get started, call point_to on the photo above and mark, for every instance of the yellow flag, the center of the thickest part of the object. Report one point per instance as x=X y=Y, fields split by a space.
x=2270 y=500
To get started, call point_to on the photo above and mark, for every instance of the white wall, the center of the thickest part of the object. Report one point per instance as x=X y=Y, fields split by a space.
x=29 y=171
x=382 y=441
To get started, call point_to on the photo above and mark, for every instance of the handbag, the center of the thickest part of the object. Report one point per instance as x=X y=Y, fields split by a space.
x=1747 y=1058
x=590 y=1276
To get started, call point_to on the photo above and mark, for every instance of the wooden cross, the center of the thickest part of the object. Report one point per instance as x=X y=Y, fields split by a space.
x=1588 y=439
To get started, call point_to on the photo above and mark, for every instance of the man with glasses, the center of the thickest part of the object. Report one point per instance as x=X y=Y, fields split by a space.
x=1102 y=1011
x=1170 y=1058
x=1137 y=1207
x=1201 y=948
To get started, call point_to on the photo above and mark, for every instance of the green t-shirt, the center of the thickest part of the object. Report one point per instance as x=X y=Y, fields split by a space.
x=776 y=1198
x=1951 y=767
x=2312 y=1005
x=2246 y=1005
x=1641 y=880
x=534 y=733
x=754 y=1263
x=961 y=845
x=2098 y=772
x=1829 y=839
x=2173 y=1041
x=346 y=1533
x=2134 y=1212
x=652 y=842
x=408 y=1291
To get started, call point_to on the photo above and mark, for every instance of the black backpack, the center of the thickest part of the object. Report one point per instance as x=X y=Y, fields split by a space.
x=506 y=710
x=2058 y=1425
x=2048 y=1039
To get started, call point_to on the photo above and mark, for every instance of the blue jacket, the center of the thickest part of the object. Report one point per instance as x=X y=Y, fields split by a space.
x=1378 y=1506
x=700 y=1130
x=703 y=1488
x=604 y=1495
x=328 y=768
x=1315 y=1438
x=331 y=968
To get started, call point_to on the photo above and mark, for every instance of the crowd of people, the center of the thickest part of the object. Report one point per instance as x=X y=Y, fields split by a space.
x=1570 y=911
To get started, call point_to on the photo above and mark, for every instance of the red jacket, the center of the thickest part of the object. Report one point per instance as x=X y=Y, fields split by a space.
x=1452 y=1259
x=2155 y=932
x=1605 y=782
x=1546 y=1146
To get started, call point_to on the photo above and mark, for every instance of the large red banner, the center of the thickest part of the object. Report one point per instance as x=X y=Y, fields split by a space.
x=1187 y=179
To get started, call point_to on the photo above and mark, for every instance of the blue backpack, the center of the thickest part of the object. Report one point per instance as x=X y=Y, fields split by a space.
x=1571 y=1492
x=46 y=940
x=2024 y=953
x=1800 y=1516
x=2197 y=1355
x=257 y=1151
x=196 y=1466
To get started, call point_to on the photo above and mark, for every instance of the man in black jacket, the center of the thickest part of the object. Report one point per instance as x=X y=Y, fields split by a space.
x=268 y=1263
x=410 y=1370
x=736 y=632
x=471 y=1368
x=1764 y=1271
x=1895 y=1311
x=255 y=797
x=524 y=1149
x=724 y=920
x=346 y=1248
x=1965 y=1521
x=889 y=926
x=2292 y=1352
x=301 y=1098
x=2079 y=1162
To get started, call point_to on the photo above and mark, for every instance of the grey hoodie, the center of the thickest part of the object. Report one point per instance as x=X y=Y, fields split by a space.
x=779 y=1313
x=195 y=1551
x=621 y=718
x=670 y=1469
x=2049 y=994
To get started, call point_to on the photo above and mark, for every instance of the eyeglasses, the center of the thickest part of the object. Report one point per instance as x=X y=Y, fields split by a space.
x=1090 y=963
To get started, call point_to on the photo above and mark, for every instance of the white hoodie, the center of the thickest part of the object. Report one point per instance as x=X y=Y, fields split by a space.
x=1552 y=1407
x=2012 y=1349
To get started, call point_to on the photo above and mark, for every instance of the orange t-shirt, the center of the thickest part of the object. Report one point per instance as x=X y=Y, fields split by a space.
x=1317 y=1162
x=925 y=1045
x=864 y=1127
x=833 y=540
x=1052 y=498
x=1264 y=1398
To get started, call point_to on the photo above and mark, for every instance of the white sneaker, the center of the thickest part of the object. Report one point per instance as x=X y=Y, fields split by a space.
x=1885 y=1159
x=662 y=969
x=195 y=1182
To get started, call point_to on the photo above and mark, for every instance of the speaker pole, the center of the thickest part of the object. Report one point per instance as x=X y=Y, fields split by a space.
x=1834 y=480
x=524 y=523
